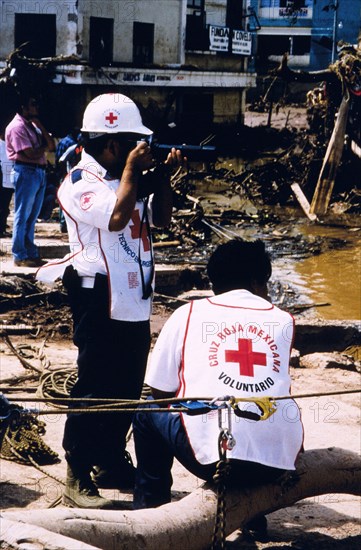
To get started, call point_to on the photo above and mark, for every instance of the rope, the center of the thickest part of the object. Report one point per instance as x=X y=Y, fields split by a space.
x=99 y=410
x=23 y=361
x=125 y=403
x=57 y=384
x=23 y=443
x=29 y=460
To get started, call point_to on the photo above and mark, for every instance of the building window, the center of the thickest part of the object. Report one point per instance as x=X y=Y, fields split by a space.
x=195 y=4
x=101 y=41
x=234 y=14
x=301 y=45
x=280 y=44
x=39 y=31
x=273 y=45
x=143 y=42
x=196 y=32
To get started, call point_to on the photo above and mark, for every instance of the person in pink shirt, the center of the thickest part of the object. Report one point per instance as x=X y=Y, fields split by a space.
x=26 y=142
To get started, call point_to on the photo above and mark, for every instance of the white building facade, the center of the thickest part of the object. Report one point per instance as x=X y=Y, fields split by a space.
x=181 y=60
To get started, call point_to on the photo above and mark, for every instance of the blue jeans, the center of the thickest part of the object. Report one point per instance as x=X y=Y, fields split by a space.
x=29 y=183
x=159 y=438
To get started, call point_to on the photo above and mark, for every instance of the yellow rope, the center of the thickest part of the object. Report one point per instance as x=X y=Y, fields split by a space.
x=266 y=404
x=127 y=402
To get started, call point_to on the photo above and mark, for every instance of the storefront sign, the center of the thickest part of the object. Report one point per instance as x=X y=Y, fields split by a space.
x=242 y=42
x=219 y=40
x=288 y=12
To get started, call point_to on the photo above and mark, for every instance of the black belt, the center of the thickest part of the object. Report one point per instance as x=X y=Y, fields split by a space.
x=41 y=166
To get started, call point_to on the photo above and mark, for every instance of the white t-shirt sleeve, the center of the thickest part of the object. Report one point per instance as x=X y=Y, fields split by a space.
x=165 y=361
x=90 y=201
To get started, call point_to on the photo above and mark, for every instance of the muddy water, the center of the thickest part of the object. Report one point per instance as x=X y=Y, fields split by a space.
x=332 y=277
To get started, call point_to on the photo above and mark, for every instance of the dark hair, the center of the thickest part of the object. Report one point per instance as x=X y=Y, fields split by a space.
x=23 y=99
x=94 y=146
x=238 y=264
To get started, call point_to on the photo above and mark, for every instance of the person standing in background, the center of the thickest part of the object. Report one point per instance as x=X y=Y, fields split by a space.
x=6 y=188
x=67 y=155
x=27 y=140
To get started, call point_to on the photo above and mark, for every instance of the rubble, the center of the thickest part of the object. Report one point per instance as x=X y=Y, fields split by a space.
x=330 y=360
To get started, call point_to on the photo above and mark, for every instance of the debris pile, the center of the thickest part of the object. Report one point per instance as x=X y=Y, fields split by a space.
x=260 y=184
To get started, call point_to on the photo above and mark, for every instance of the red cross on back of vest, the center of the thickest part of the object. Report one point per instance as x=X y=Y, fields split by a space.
x=245 y=357
x=135 y=230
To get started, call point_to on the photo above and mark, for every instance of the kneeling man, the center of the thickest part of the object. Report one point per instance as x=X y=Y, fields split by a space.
x=234 y=343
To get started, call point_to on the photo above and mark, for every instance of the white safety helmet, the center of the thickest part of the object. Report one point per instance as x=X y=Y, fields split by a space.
x=113 y=114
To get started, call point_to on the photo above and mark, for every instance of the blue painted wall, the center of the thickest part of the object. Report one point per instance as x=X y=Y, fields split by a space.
x=328 y=26
x=332 y=25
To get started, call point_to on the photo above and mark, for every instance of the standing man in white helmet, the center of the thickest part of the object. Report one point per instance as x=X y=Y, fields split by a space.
x=110 y=202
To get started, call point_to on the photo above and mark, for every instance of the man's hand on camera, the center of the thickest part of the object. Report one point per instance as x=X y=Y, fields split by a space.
x=141 y=157
x=175 y=158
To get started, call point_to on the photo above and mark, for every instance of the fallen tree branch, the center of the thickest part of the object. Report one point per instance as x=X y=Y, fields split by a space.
x=20 y=379
x=301 y=307
x=15 y=534
x=165 y=244
x=23 y=361
x=289 y=75
x=189 y=522
x=17 y=329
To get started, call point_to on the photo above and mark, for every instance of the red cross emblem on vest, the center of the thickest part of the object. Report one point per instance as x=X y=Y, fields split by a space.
x=111 y=118
x=135 y=231
x=246 y=357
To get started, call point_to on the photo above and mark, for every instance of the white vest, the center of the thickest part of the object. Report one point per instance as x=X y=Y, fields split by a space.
x=124 y=256
x=245 y=354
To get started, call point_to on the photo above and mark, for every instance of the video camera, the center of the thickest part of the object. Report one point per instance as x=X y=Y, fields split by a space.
x=197 y=153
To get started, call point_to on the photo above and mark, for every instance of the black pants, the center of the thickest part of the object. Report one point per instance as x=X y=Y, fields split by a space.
x=112 y=358
x=161 y=437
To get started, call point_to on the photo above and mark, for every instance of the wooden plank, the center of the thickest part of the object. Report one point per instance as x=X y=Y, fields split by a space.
x=356 y=149
x=305 y=205
x=327 y=176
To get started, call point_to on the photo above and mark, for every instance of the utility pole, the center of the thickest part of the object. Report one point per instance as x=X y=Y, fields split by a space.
x=334 y=31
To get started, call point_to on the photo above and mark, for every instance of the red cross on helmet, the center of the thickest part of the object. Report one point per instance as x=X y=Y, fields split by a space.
x=113 y=114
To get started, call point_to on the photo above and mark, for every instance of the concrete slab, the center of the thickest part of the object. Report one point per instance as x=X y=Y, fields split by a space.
x=53 y=244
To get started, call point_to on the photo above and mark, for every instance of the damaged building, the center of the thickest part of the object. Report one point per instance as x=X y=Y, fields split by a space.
x=189 y=64
x=180 y=60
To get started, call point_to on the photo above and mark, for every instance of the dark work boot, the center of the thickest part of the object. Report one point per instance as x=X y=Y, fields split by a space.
x=115 y=475
x=80 y=491
x=256 y=529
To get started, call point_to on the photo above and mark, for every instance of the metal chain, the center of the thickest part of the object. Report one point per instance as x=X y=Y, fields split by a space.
x=222 y=472
x=226 y=442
